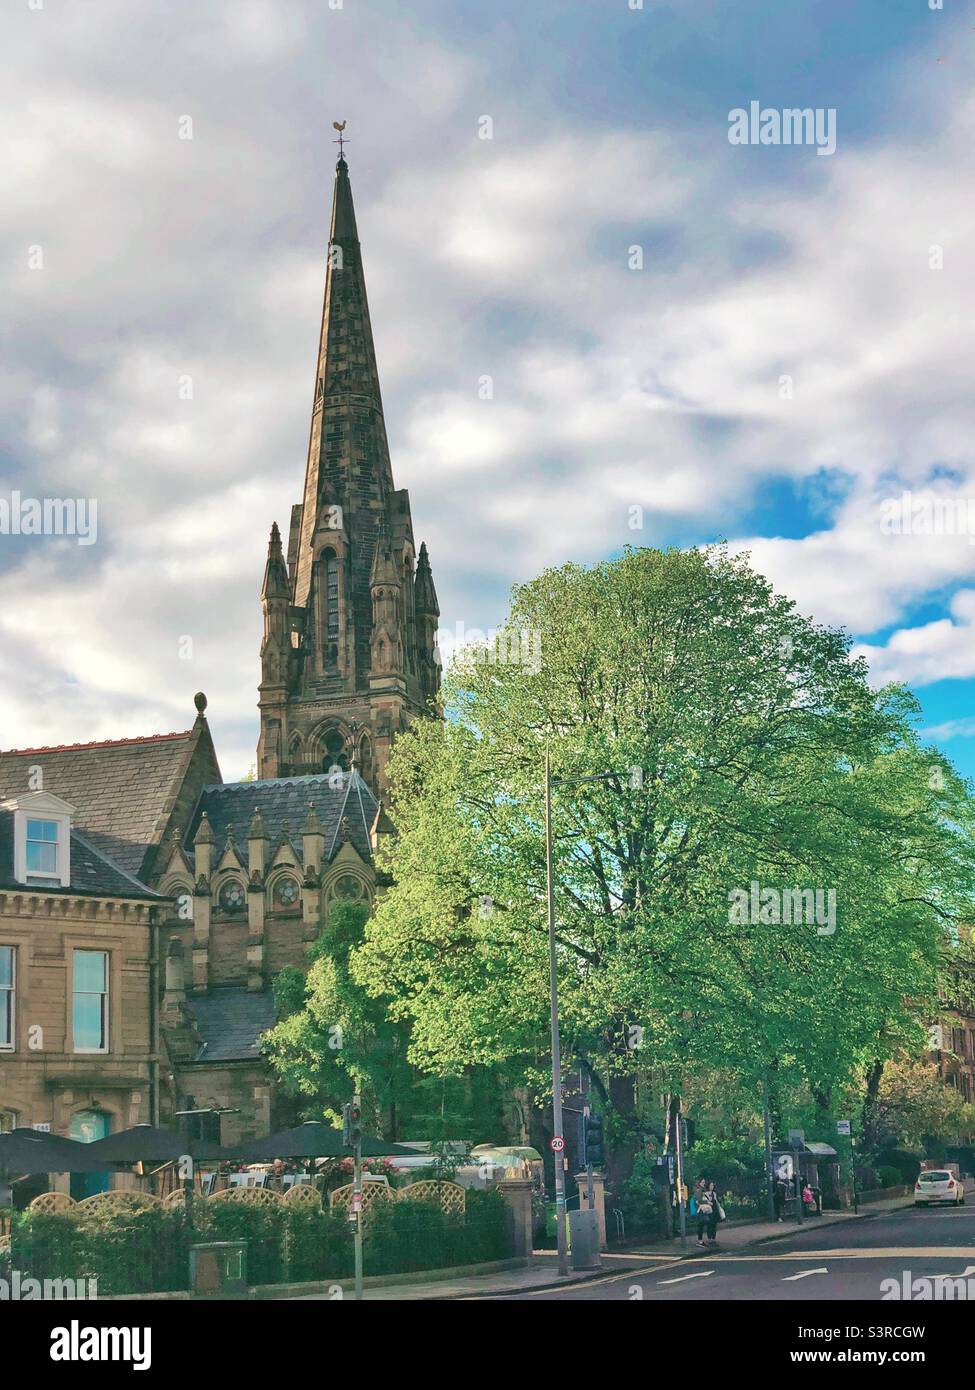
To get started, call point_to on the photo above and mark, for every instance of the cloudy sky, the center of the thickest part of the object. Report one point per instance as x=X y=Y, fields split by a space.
x=795 y=351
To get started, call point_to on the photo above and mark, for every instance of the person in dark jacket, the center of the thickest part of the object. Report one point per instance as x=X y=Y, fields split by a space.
x=778 y=1197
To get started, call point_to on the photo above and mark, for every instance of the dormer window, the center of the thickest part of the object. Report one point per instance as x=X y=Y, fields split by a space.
x=42 y=847
x=42 y=839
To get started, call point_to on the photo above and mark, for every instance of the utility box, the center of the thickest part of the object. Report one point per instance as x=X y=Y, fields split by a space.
x=584 y=1239
x=219 y=1269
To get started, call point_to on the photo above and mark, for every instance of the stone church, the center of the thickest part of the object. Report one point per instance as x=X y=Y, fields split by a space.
x=202 y=891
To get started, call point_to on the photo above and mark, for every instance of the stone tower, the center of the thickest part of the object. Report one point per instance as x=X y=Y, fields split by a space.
x=348 y=657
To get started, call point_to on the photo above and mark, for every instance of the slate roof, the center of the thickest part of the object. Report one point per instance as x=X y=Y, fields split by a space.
x=123 y=789
x=285 y=800
x=230 y=1021
x=92 y=874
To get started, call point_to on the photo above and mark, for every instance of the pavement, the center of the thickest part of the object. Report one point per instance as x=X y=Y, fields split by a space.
x=754 y=1259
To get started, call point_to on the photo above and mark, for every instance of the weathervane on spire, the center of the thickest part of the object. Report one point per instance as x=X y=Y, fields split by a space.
x=339 y=126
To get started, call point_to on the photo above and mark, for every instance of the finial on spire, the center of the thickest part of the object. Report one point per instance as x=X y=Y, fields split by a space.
x=340 y=127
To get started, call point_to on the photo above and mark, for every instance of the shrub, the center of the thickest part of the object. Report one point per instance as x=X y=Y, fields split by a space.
x=888 y=1176
x=142 y=1250
x=317 y=1243
x=49 y=1245
x=640 y=1200
x=906 y=1162
x=404 y=1236
x=260 y=1225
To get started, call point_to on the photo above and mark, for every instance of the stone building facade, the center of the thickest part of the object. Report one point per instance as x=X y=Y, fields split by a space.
x=80 y=1049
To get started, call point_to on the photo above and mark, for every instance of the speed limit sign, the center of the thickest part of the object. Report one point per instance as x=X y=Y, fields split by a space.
x=558 y=1143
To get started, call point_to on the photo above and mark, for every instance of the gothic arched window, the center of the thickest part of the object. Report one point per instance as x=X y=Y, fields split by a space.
x=365 y=758
x=331 y=606
x=334 y=754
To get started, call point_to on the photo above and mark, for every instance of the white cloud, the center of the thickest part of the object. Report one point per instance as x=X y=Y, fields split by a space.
x=508 y=258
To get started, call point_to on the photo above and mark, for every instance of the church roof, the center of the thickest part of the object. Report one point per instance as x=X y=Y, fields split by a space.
x=92 y=873
x=125 y=790
x=283 y=803
x=230 y=1021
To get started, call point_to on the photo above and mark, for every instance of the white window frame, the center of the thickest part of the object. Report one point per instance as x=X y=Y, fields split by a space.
x=11 y=1046
x=41 y=806
x=106 y=1006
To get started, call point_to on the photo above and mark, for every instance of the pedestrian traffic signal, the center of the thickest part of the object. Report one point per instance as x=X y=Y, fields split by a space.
x=595 y=1152
x=351 y=1124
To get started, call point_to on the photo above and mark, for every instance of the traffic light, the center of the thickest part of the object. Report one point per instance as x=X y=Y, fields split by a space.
x=595 y=1151
x=351 y=1124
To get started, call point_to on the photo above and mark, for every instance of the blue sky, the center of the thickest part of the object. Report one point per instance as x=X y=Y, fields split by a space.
x=166 y=259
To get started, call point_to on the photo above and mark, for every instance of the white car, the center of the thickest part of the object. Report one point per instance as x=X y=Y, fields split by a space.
x=938 y=1185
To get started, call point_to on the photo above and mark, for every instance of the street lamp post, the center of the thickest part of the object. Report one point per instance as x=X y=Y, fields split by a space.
x=560 y=1207
x=769 y=1176
x=560 y=1210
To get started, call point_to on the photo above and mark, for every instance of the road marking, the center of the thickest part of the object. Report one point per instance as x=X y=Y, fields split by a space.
x=804 y=1274
x=938 y=1252
x=701 y=1274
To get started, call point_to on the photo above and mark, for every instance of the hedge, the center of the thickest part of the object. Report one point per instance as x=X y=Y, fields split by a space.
x=146 y=1250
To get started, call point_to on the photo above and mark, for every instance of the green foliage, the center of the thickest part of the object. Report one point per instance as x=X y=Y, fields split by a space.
x=726 y=1160
x=317 y=1243
x=147 y=1250
x=762 y=756
x=405 y=1236
x=49 y=1245
x=639 y=1201
x=889 y=1176
x=127 y=1251
x=903 y=1162
x=261 y=1225
x=916 y=1109
x=288 y=987
x=333 y=1038
x=138 y=1251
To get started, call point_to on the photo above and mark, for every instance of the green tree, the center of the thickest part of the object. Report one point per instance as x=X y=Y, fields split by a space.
x=333 y=1038
x=746 y=747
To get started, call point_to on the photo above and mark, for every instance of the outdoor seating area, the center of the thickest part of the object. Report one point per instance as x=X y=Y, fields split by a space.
x=290 y=1215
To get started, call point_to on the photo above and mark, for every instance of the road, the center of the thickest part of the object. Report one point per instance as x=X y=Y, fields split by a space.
x=848 y=1260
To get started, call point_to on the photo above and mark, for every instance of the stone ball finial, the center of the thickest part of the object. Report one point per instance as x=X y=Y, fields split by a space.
x=200 y=700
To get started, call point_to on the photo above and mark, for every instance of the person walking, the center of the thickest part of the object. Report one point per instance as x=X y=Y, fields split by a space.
x=702 y=1202
x=778 y=1197
x=715 y=1213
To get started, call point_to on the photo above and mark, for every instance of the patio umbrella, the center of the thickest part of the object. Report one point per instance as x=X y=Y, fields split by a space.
x=150 y=1144
x=315 y=1140
x=27 y=1151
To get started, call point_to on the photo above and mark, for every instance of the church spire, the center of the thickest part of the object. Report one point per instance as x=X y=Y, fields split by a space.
x=349 y=652
x=275 y=571
x=348 y=454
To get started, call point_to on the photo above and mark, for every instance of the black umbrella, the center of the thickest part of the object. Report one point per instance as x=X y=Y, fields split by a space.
x=149 y=1144
x=26 y=1151
x=316 y=1140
